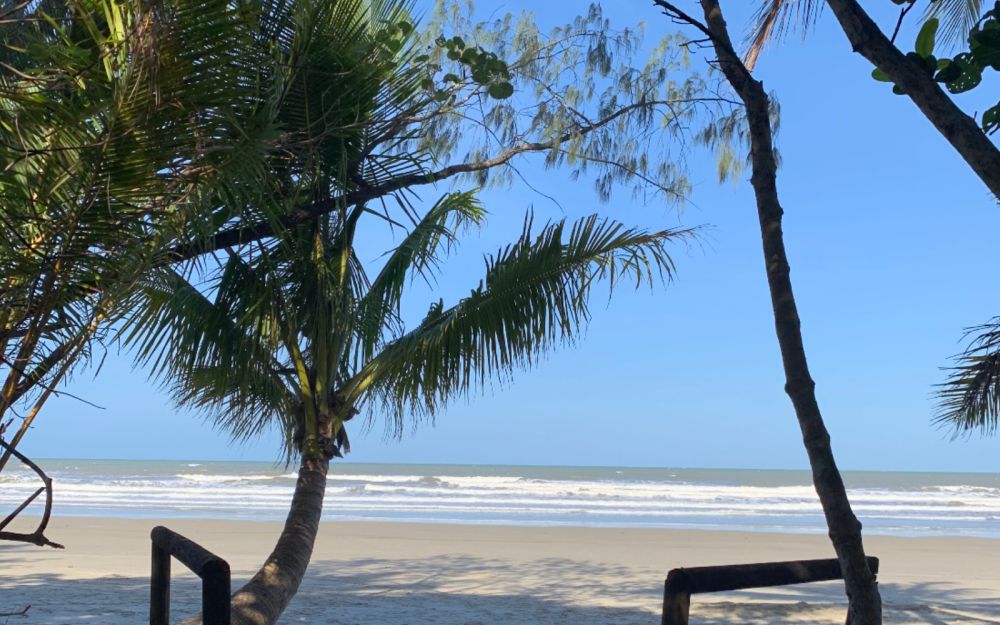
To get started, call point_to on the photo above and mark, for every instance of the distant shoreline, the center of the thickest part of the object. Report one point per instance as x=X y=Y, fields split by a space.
x=888 y=503
x=350 y=463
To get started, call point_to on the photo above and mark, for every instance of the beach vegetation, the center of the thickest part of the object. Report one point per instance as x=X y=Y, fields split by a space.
x=120 y=123
x=300 y=335
x=969 y=400
x=228 y=153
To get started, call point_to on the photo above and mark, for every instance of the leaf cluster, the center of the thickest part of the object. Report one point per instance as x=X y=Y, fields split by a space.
x=963 y=71
x=485 y=68
x=136 y=131
x=102 y=161
x=582 y=94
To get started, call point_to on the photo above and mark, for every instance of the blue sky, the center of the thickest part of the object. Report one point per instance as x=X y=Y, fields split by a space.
x=892 y=245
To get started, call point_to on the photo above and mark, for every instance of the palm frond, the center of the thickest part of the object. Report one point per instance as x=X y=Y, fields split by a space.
x=417 y=255
x=773 y=18
x=970 y=399
x=958 y=17
x=218 y=357
x=534 y=296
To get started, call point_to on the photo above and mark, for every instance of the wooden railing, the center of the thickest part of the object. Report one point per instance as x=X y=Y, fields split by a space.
x=682 y=583
x=213 y=571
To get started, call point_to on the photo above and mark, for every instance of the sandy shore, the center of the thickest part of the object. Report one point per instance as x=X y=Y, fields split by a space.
x=398 y=574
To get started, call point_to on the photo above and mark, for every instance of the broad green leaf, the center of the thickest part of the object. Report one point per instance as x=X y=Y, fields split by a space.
x=925 y=38
x=991 y=119
x=880 y=75
x=971 y=74
x=501 y=91
x=986 y=47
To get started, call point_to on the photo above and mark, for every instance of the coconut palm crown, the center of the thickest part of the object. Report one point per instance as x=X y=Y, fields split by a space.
x=300 y=334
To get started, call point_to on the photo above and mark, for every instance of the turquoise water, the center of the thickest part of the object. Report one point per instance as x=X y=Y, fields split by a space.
x=733 y=499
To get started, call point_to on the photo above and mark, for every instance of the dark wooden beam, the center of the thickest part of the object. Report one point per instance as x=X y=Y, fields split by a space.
x=684 y=582
x=738 y=576
x=213 y=571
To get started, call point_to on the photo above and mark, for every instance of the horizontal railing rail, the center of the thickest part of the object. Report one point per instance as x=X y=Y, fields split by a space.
x=213 y=571
x=684 y=582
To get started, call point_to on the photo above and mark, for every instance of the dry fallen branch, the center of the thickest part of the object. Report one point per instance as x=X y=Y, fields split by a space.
x=22 y=612
x=38 y=536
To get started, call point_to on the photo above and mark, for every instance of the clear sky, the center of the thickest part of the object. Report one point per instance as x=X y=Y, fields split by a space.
x=892 y=243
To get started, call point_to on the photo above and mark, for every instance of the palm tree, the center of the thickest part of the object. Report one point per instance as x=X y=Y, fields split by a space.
x=102 y=161
x=144 y=133
x=299 y=335
x=132 y=128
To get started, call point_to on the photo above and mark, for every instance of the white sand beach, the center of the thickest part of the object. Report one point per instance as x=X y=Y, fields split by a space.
x=428 y=574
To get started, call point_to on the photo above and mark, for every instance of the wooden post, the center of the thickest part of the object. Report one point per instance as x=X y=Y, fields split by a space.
x=676 y=607
x=159 y=587
x=213 y=571
x=215 y=592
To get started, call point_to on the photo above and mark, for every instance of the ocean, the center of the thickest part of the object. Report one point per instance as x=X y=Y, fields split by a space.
x=894 y=503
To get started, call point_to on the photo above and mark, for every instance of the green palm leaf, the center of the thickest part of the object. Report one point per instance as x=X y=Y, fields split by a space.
x=958 y=17
x=970 y=399
x=220 y=357
x=773 y=18
x=534 y=296
x=417 y=255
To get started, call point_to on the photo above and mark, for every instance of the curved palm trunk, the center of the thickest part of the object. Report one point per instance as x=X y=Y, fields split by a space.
x=262 y=600
x=844 y=527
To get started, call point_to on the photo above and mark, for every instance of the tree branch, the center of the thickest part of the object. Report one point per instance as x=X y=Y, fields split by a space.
x=22 y=612
x=34 y=377
x=899 y=22
x=241 y=235
x=959 y=129
x=38 y=536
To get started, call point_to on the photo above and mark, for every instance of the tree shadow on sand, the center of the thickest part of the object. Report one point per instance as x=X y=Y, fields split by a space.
x=465 y=590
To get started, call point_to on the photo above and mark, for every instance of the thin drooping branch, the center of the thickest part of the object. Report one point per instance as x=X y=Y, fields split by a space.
x=64 y=362
x=22 y=612
x=960 y=129
x=899 y=22
x=36 y=537
x=242 y=235
x=34 y=378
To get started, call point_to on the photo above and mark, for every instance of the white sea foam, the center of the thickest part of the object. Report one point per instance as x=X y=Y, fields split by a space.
x=615 y=497
x=194 y=477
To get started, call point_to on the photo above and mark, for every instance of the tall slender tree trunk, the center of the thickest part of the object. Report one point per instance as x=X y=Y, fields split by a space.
x=844 y=527
x=959 y=129
x=262 y=600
